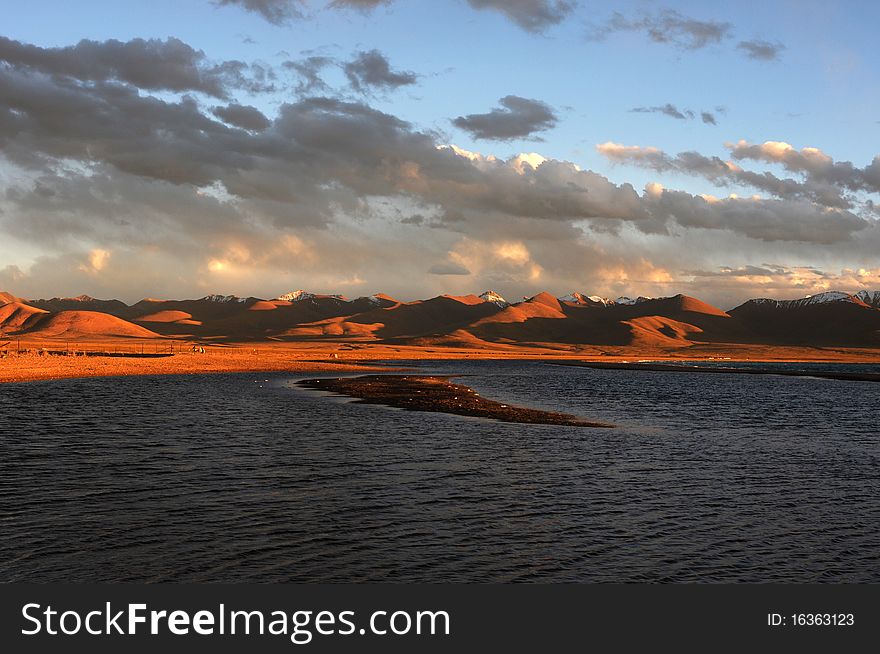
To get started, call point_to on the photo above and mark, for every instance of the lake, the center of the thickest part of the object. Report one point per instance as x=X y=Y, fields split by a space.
x=246 y=477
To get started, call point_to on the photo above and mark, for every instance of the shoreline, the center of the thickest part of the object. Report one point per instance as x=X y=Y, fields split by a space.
x=673 y=367
x=47 y=360
x=436 y=394
x=54 y=368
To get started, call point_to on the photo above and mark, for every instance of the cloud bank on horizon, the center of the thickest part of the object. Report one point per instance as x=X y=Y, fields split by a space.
x=152 y=166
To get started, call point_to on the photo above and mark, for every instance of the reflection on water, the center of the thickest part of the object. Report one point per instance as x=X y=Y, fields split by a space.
x=248 y=478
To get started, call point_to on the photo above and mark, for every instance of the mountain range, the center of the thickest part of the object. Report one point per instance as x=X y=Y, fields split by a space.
x=473 y=321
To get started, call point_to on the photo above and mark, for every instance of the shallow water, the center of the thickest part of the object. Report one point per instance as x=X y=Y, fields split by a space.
x=248 y=478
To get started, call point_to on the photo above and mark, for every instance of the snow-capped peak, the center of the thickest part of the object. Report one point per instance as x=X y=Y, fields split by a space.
x=628 y=301
x=82 y=298
x=494 y=298
x=810 y=300
x=871 y=298
x=573 y=297
x=827 y=296
x=295 y=296
x=223 y=298
x=579 y=298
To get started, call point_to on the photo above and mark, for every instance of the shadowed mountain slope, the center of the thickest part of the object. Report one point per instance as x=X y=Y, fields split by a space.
x=485 y=321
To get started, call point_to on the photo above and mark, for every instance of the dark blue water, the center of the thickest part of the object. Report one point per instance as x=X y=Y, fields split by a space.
x=247 y=478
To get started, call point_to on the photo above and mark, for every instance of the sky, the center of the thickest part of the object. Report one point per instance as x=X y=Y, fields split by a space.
x=416 y=147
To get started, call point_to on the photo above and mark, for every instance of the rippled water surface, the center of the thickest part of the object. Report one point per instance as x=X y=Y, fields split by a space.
x=248 y=478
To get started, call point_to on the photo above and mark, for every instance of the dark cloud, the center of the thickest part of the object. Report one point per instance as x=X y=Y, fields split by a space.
x=814 y=164
x=761 y=50
x=109 y=165
x=448 y=268
x=766 y=220
x=531 y=15
x=674 y=112
x=834 y=187
x=243 y=116
x=667 y=109
x=321 y=156
x=372 y=70
x=309 y=72
x=724 y=173
x=277 y=12
x=517 y=118
x=766 y=270
x=154 y=65
x=668 y=26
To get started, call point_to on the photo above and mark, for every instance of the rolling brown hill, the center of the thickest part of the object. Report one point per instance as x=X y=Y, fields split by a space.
x=666 y=322
x=6 y=298
x=83 y=303
x=251 y=319
x=15 y=316
x=437 y=316
x=84 y=325
x=487 y=321
x=844 y=323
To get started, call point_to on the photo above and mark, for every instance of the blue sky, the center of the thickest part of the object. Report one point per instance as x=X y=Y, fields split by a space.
x=821 y=91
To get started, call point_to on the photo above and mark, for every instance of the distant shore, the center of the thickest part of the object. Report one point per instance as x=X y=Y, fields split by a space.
x=437 y=394
x=57 y=359
x=728 y=368
x=39 y=367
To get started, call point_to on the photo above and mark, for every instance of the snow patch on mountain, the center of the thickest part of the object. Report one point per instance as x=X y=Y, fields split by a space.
x=628 y=301
x=494 y=298
x=579 y=298
x=295 y=296
x=374 y=299
x=872 y=299
x=223 y=298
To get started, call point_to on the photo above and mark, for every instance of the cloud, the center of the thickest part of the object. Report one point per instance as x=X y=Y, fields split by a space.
x=448 y=268
x=277 y=12
x=531 y=15
x=782 y=282
x=190 y=196
x=765 y=220
x=372 y=70
x=761 y=50
x=96 y=261
x=813 y=163
x=153 y=65
x=321 y=156
x=667 y=109
x=10 y=275
x=668 y=26
x=645 y=156
x=803 y=212
x=673 y=111
x=519 y=118
x=309 y=72
x=822 y=183
x=361 y=5
x=243 y=116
